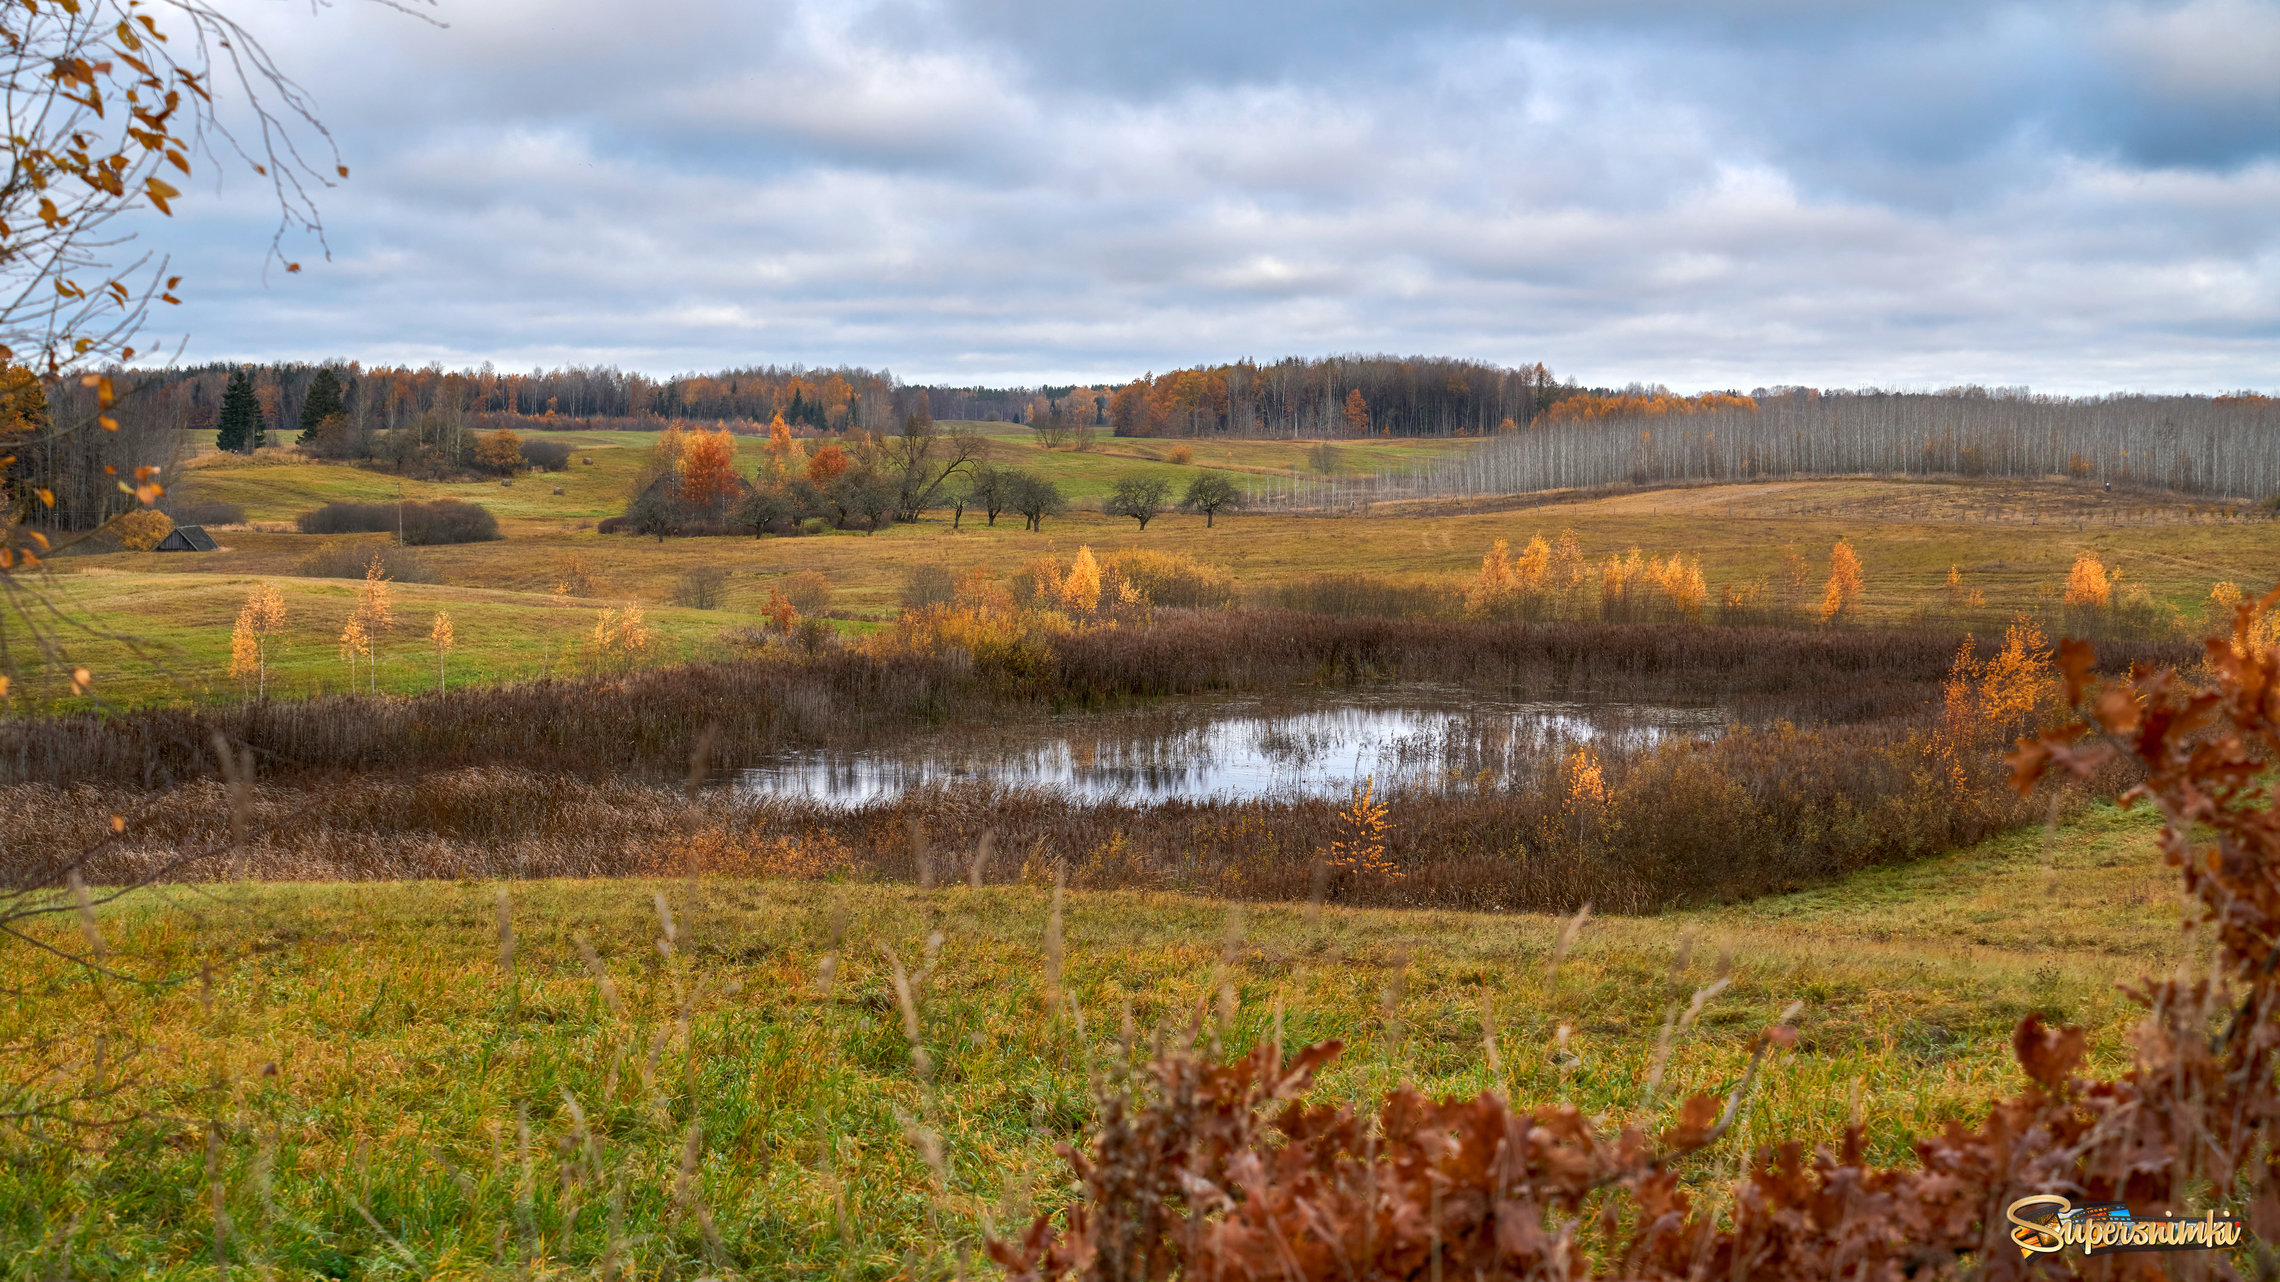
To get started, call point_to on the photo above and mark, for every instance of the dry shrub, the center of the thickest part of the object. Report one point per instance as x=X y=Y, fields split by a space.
x=1169 y=579
x=1222 y=1171
x=354 y=561
x=1353 y=594
x=809 y=592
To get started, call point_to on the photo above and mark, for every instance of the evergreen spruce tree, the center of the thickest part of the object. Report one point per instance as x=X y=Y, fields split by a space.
x=324 y=402
x=238 y=426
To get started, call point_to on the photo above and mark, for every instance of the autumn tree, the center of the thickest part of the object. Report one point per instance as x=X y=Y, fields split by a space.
x=238 y=427
x=825 y=465
x=499 y=451
x=781 y=453
x=259 y=619
x=1841 y=595
x=444 y=639
x=2087 y=587
x=1210 y=493
x=708 y=471
x=1357 y=413
x=375 y=611
x=1080 y=588
x=1140 y=497
x=1128 y=409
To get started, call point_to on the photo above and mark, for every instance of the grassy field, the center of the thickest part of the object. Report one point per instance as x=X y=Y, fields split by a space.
x=2011 y=542
x=351 y=1076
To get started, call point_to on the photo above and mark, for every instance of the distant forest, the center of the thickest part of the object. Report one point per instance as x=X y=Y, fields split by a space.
x=1543 y=432
x=1398 y=396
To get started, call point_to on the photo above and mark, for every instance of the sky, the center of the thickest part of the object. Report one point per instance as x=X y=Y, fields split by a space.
x=2078 y=197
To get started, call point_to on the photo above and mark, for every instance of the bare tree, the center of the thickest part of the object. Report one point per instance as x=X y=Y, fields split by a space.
x=1210 y=493
x=920 y=460
x=1140 y=497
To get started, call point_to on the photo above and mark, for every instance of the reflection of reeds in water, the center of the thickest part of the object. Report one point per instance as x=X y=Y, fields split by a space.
x=1249 y=751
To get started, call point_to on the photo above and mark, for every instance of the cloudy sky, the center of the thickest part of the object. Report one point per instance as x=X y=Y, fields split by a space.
x=1706 y=193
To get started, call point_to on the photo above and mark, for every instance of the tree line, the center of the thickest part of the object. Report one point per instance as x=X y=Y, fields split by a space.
x=2222 y=445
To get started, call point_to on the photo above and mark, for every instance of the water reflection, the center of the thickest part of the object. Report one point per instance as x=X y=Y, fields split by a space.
x=1236 y=752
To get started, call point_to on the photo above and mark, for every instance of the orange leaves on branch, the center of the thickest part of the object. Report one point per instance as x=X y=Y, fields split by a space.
x=1357 y=413
x=259 y=619
x=1841 y=595
x=1587 y=406
x=826 y=464
x=499 y=451
x=2087 y=587
x=1359 y=847
x=708 y=470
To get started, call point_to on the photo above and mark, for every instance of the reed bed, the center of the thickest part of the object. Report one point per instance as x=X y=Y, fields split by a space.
x=645 y=723
x=1544 y=827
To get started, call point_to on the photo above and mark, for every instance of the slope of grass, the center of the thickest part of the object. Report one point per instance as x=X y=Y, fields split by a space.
x=1908 y=534
x=357 y=1076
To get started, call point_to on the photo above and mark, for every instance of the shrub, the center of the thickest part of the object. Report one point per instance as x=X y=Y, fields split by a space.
x=448 y=521
x=208 y=512
x=815 y=525
x=809 y=592
x=1167 y=578
x=140 y=530
x=926 y=585
x=551 y=456
x=345 y=517
x=1181 y=455
x=349 y=560
x=439 y=521
x=1364 y=594
x=499 y=451
x=700 y=589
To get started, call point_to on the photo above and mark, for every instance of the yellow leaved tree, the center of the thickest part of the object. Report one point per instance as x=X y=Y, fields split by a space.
x=1841 y=596
x=262 y=617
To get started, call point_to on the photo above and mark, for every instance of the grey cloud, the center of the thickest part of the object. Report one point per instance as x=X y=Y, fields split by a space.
x=2072 y=195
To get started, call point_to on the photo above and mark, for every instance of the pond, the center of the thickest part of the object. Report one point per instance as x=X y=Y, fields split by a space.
x=1235 y=750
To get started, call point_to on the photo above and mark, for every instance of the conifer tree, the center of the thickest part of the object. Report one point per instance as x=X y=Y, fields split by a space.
x=238 y=426
x=324 y=402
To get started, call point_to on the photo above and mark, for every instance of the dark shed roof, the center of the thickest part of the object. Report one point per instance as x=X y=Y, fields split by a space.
x=186 y=538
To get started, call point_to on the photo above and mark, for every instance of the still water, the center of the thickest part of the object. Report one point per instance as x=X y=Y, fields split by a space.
x=1235 y=751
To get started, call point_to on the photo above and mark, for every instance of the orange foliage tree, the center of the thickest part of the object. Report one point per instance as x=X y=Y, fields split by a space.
x=1842 y=593
x=499 y=451
x=1587 y=406
x=708 y=471
x=1357 y=413
x=2087 y=587
x=826 y=464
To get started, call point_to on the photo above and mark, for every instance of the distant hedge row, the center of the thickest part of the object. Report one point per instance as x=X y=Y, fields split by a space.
x=440 y=521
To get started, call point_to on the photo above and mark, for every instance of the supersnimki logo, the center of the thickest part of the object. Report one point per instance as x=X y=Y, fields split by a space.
x=2096 y=1227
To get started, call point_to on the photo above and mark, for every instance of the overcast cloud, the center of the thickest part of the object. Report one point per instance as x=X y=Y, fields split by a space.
x=1708 y=193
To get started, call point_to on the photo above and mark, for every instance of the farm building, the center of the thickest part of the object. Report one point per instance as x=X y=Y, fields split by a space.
x=186 y=538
